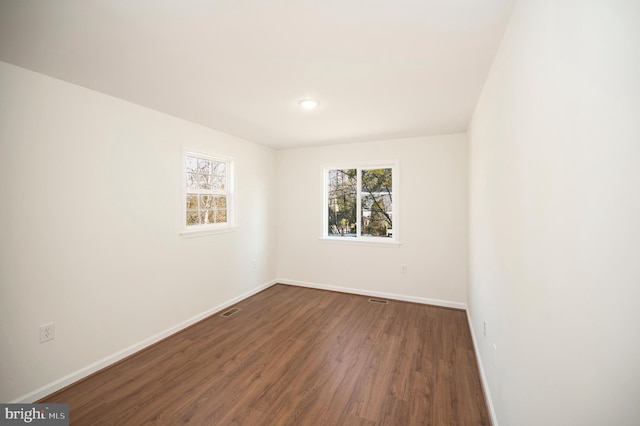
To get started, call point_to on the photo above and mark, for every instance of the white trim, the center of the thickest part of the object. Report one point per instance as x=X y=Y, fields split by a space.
x=400 y=297
x=369 y=241
x=209 y=231
x=483 y=377
x=56 y=385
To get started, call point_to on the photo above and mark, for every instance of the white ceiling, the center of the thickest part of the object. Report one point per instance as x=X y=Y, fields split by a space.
x=380 y=69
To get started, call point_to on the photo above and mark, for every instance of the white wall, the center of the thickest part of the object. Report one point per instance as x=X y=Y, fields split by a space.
x=91 y=196
x=433 y=227
x=555 y=216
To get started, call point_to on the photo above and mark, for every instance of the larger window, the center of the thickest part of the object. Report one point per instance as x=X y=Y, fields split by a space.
x=208 y=193
x=359 y=203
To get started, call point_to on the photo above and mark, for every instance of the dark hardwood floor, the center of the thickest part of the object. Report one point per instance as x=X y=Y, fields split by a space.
x=296 y=356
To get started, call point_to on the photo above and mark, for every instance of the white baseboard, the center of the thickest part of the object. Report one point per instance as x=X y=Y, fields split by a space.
x=483 y=377
x=436 y=302
x=111 y=359
x=422 y=300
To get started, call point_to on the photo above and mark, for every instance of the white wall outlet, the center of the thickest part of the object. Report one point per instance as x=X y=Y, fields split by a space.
x=47 y=332
x=403 y=269
x=484 y=328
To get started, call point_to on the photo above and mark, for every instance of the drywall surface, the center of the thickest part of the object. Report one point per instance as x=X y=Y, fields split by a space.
x=432 y=222
x=91 y=192
x=554 y=216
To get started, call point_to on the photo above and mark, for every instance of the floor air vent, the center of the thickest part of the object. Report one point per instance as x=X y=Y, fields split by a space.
x=230 y=312
x=384 y=302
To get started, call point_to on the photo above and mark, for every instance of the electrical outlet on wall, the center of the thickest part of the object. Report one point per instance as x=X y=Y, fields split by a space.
x=47 y=332
x=484 y=328
x=403 y=269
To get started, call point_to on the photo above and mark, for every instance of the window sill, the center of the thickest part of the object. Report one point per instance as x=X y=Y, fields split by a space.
x=209 y=231
x=360 y=241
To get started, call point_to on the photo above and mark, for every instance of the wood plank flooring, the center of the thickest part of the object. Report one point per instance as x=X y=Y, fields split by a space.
x=296 y=356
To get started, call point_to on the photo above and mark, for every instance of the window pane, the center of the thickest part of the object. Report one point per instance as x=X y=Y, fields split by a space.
x=191 y=165
x=376 y=203
x=192 y=181
x=218 y=183
x=206 y=216
x=204 y=166
x=221 y=216
x=192 y=217
x=206 y=201
x=204 y=181
x=220 y=202
x=341 y=202
x=192 y=201
x=219 y=168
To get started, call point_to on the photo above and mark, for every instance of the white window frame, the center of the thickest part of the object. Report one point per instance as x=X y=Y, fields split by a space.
x=392 y=241
x=230 y=192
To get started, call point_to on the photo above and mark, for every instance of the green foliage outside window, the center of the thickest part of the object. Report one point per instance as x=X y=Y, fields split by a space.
x=374 y=200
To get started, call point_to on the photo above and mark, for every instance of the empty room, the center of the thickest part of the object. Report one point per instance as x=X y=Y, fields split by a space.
x=221 y=212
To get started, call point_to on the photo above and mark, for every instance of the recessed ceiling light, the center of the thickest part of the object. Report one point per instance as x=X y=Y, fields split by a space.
x=308 y=104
